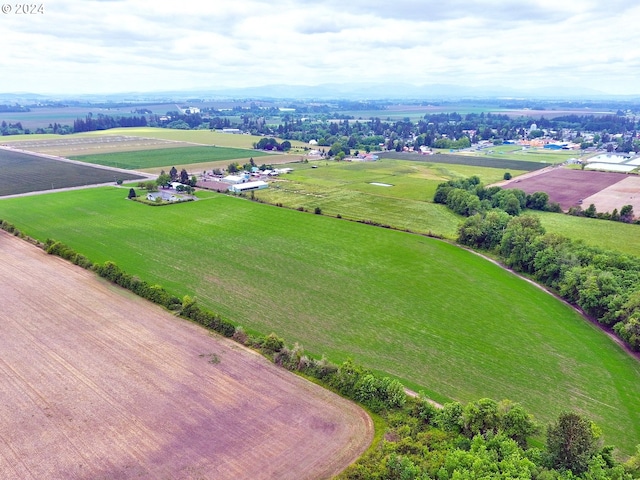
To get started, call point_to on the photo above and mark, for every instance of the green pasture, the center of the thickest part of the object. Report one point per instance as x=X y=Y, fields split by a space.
x=167 y=157
x=346 y=189
x=516 y=152
x=203 y=137
x=28 y=138
x=466 y=158
x=437 y=317
x=617 y=236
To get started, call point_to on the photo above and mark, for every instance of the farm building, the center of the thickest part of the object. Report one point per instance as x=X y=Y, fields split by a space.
x=235 y=179
x=555 y=146
x=245 y=187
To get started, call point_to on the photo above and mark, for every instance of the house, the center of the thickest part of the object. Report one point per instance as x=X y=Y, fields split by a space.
x=163 y=196
x=248 y=186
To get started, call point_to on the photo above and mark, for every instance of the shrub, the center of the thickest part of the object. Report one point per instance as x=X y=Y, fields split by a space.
x=272 y=343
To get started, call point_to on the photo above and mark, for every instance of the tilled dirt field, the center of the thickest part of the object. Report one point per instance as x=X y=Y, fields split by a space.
x=567 y=187
x=76 y=145
x=624 y=192
x=98 y=384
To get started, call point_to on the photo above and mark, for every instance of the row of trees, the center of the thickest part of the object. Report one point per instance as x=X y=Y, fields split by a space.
x=272 y=144
x=625 y=214
x=104 y=122
x=604 y=284
x=328 y=126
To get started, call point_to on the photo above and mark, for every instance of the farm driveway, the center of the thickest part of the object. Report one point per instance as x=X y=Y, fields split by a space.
x=98 y=384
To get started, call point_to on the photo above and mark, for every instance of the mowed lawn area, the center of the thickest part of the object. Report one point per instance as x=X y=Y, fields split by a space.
x=169 y=156
x=435 y=316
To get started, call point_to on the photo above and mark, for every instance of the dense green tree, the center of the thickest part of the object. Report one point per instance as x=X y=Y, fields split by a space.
x=517 y=245
x=163 y=179
x=480 y=417
x=495 y=223
x=554 y=256
x=590 y=211
x=516 y=423
x=151 y=186
x=450 y=418
x=626 y=213
x=537 y=201
x=571 y=442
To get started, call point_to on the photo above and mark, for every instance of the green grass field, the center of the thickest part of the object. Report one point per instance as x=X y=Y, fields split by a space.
x=203 y=137
x=166 y=157
x=515 y=152
x=617 y=236
x=435 y=316
x=347 y=189
x=29 y=138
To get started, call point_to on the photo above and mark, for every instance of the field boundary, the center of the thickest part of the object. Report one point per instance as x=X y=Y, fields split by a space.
x=141 y=443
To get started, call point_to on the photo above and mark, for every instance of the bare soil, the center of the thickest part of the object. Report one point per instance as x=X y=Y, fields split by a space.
x=624 y=192
x=96 y=383
x=567 y=187
x=70 y=145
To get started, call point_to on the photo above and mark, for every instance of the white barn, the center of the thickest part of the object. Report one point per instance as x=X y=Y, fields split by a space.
x=245 y=187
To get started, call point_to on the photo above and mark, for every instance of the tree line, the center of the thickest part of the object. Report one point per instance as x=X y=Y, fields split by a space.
x=106 y=122
x=330 y=126
x=604 y=284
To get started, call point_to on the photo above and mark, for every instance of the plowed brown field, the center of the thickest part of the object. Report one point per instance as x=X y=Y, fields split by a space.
x=567 y=187
x=98 y=384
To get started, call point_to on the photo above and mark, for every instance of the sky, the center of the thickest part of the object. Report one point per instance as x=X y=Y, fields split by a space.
x=112 y=46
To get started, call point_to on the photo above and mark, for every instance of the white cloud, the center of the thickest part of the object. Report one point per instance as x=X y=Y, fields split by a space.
x=89 y=46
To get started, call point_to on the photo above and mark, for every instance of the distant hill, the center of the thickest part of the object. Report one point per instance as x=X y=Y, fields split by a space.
x=335 y=91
